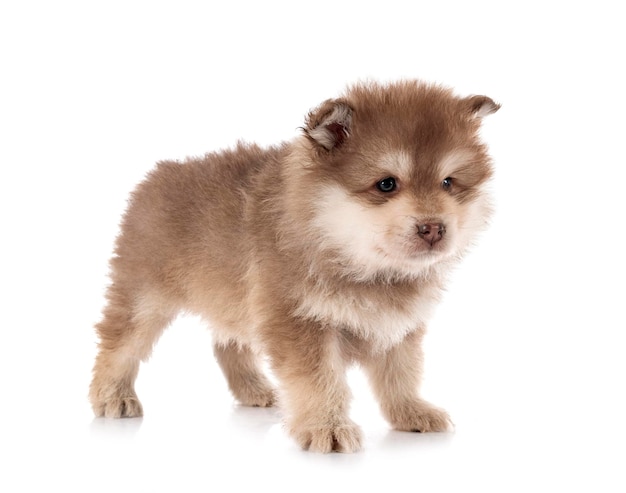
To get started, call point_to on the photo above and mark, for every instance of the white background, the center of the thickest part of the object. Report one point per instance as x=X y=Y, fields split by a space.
x=527 y=350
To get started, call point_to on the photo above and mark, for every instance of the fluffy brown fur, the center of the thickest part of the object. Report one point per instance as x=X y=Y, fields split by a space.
x=319 y=253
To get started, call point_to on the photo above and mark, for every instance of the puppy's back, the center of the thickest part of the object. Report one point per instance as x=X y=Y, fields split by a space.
x=185 y=220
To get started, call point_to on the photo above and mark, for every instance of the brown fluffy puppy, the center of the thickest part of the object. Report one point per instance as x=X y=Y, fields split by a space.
x=329 y=250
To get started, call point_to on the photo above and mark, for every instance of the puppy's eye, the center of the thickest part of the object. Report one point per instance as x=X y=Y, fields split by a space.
x=387 y=185
x=446 y=184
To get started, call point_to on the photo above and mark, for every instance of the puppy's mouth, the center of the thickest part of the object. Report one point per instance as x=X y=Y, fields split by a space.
x=420 y=249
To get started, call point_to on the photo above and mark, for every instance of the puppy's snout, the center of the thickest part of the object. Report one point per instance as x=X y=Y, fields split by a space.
x=431 y=232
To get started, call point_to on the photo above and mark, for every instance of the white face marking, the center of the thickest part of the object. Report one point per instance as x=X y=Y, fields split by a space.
x=398 y=164
x=452 y=161
x=474 y=220
x=374 y=239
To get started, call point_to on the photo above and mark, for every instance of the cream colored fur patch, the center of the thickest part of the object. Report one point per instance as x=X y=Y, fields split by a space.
x=369 y=317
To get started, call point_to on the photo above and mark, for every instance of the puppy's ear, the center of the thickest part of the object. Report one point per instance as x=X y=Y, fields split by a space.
x=329 y=124
x=480 y=106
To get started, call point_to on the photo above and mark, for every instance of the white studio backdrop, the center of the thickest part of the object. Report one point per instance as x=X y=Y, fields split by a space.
x=525 y=352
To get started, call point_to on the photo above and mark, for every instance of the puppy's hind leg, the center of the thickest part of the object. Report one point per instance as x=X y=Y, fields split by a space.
x=130 y=327
x=245 y=379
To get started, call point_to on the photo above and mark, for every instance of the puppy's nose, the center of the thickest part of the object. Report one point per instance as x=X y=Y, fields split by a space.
x=431 y=232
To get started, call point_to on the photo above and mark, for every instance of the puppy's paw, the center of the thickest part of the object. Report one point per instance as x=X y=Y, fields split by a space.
x=118 y=406
x=419 y=416
x=265 y=397
x=345 y=437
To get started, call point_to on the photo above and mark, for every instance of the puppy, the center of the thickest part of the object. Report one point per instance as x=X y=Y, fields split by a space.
x=319 y=253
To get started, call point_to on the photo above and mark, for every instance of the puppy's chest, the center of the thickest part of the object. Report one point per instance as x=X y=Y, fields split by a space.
x=382 y=317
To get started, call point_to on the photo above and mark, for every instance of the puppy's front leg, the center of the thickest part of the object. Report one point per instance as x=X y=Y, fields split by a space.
x=395 y=376
x=308 y=361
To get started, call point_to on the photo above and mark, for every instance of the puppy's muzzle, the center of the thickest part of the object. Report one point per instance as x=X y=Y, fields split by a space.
x=431 y=233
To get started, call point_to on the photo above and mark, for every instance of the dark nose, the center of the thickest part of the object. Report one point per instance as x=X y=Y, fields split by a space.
x=431 y=232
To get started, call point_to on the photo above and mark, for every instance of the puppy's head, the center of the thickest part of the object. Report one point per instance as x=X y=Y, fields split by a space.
x=397 y=175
